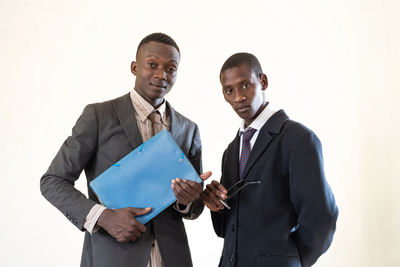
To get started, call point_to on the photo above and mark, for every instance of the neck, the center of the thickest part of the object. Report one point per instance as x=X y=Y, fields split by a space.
x=248 y=122
x=155 y=103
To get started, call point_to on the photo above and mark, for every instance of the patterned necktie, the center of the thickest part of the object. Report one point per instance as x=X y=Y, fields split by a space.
x=247 y=135
x=155 y=118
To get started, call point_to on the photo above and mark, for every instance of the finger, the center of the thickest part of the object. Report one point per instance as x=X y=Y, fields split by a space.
x=136 y=235
x=181 y=196
x=124 y=237
x=175 y=192
x=205 y=175
x=186 y=185
x=212 y=203
x=211 y=197
x=191 y=187
x=133 y=235
x=182 y=193
x=182 y=187
x=219 y=186
x=135 y=226
x=141 y=228
x=215 y=191
x=139 y=211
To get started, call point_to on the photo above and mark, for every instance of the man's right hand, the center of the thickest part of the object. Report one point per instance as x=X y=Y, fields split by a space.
x=121 y=223
x=212 y=194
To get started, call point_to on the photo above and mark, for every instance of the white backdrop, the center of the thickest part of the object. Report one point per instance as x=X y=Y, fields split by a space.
x=332 y=65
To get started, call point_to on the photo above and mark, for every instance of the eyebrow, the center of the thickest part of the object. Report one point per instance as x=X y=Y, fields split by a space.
x=172 y=60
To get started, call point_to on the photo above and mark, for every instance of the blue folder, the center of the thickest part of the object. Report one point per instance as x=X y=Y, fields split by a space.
x=142 y=178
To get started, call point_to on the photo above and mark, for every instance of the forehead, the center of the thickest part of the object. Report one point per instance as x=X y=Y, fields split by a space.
x=159 y=51
x=237 y=75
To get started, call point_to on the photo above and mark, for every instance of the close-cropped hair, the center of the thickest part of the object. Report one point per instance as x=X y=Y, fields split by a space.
x=157 y=37
x=242 y=58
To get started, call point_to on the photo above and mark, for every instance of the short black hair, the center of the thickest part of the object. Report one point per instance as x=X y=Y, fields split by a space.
x=157 y=37
x=242 y=58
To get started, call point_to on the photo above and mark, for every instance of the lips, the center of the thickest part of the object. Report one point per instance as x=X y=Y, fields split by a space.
x=242 y=109
x=161 y=86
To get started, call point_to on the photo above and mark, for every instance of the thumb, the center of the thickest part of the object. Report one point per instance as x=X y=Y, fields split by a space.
x=140 y=211
x=205 y=175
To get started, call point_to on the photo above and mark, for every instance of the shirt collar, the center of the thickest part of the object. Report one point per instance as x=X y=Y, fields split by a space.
x=261 y=119
x=144 y=108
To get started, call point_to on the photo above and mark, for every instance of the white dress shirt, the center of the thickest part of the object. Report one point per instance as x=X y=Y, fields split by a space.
x=257 y=124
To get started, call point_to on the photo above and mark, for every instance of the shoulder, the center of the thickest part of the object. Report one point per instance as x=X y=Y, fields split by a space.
x=111 y=102
x=108 y=106
x=295 y=133
x=295 y=128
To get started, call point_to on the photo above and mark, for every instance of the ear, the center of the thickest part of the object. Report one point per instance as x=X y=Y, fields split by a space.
x=264 y=81
x=133 y=67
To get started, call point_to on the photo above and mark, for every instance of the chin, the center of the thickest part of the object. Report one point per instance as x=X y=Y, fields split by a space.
x=157 y=95
x=243 y=116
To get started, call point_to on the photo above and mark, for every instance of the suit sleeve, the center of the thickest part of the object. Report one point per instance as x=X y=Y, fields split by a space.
x=218 y=218
x=312 y=199
x=57 y=184
x=195 y=158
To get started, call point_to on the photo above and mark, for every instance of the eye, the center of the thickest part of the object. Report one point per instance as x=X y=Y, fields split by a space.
x=228 y=91
x=171 y=69
x=151 y=64
x=245 y=86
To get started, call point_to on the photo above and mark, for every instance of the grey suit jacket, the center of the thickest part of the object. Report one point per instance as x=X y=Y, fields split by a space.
x=104 y=133
x=289 y=219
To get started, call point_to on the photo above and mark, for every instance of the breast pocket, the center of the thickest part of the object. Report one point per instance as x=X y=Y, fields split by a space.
x=278 y=261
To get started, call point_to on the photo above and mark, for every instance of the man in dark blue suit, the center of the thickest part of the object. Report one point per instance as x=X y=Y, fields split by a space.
x=285 y=213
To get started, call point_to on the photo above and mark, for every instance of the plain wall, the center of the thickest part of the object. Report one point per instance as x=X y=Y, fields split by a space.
x=332 y=65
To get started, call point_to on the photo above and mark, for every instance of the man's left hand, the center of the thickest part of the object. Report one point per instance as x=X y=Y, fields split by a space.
x=188 y=191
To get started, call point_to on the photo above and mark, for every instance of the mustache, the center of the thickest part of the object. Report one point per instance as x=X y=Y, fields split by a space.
x=237 y=107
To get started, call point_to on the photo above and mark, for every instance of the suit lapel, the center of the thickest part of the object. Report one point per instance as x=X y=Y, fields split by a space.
x=233 y=161
x=267 y=133
x=126 y=114
x=174 y=128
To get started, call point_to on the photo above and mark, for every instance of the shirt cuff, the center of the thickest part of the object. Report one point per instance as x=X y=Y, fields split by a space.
x=92 y=217
x=183 y=211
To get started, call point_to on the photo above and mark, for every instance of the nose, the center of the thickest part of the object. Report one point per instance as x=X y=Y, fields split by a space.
x=161 y=73
x=239 y=97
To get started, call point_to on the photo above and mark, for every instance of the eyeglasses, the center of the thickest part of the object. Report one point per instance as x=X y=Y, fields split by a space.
x=236 y=188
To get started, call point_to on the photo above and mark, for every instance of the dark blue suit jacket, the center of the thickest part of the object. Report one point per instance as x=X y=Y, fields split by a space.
x=289 y=219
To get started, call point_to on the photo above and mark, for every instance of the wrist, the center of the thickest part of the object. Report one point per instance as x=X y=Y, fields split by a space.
x=103 y=219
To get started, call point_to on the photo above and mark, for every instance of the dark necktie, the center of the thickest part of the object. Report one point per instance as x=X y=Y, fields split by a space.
x=155 y=118
x=247 y=135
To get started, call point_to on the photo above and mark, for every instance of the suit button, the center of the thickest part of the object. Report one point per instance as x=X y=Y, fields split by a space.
x=233 y=227
x=231 y=258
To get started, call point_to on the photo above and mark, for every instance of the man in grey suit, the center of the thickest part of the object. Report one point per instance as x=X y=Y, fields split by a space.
x=284 y=214
x=106 y=132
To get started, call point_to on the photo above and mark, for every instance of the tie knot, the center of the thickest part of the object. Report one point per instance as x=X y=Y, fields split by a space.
x=248 y=134
x=156 y=124
x=155 y=117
